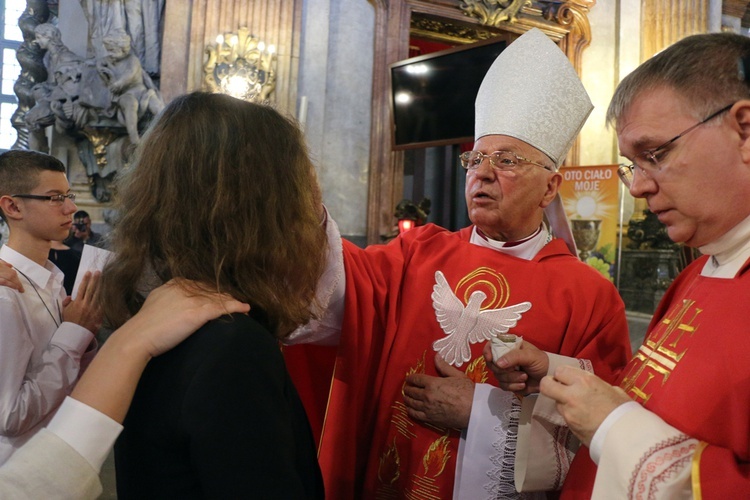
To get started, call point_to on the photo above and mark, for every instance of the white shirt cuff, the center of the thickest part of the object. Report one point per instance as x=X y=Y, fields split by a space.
x=88 y=431
x=597 y=442
x=71 y=336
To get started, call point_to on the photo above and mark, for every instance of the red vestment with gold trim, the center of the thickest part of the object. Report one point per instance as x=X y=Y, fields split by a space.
x=693 y=371
x=370 y=448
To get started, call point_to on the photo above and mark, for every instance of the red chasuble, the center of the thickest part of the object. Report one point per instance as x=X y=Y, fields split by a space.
x=370 y=448
x=693 y=371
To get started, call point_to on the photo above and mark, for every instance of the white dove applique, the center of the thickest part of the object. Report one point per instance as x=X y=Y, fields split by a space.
x=468 y=324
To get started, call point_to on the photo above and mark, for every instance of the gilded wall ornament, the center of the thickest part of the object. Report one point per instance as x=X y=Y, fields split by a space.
x=494 y=12
x=242 y=66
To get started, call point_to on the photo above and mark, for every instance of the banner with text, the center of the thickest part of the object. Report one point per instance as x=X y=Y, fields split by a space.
x=591 y=197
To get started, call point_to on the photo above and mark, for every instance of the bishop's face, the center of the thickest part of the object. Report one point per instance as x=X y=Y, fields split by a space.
x=508 y=205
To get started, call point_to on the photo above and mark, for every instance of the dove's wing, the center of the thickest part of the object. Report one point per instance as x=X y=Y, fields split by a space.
x=447 y=307
x=496 y=321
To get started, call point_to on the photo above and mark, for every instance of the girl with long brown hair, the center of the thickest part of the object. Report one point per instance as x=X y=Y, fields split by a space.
x=222 y=192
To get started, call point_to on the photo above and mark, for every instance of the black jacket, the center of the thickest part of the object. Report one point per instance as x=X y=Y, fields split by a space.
x=218 y=417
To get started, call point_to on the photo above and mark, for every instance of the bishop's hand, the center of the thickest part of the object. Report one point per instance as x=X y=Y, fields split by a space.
x=519 y=370
x=443 y=401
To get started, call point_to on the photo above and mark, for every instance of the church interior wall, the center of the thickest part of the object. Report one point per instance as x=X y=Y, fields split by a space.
x=335 y=88
x=599 y=73
x=326 y=62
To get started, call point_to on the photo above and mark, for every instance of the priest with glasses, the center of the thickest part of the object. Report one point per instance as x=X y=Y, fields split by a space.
x=676 y=423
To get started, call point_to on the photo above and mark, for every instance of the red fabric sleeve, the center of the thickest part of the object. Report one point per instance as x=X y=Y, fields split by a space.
x=719 y=474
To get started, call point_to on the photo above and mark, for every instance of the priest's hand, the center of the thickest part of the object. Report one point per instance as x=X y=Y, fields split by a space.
x=519 y=370
x=9 y=277
x=443 y=401
x=583 y=399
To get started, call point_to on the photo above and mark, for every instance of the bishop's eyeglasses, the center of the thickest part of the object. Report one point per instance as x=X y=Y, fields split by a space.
x=501 y=160
x=54 y=199
x=649 y=161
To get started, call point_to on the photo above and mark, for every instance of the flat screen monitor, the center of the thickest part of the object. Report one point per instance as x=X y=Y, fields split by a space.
x=432 y=96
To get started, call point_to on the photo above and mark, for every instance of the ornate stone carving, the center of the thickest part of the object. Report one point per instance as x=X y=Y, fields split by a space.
x=29 y=56
x=494 y=12
x=102 y=102
x=133 y=92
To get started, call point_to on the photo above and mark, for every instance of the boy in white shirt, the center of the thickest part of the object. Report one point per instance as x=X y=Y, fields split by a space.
x=45 y=338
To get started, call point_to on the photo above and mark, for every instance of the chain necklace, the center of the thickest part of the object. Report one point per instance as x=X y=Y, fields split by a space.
x=57 y=324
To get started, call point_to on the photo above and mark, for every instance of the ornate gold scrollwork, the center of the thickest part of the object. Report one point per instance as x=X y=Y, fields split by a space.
x=571 y=14
x=448 y=31
x=494 y=12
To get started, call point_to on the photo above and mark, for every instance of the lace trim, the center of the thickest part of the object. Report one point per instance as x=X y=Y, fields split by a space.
x=502 y=485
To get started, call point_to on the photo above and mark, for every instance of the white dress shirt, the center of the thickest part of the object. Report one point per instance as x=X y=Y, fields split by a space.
x=40 y=355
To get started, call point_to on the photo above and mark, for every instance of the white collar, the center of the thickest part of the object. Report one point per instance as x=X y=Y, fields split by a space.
x=729 y=252
x=526 y=250
x=39 y=275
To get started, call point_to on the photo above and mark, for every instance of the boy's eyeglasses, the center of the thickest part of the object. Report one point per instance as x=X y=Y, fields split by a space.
x=53 y=199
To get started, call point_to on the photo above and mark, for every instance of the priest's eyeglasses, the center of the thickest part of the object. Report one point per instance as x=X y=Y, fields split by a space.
x=650 y=161
x=501 y=160
x=54 y=199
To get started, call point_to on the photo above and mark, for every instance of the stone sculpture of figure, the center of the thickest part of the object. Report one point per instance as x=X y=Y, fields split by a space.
x=141 y=19
x=132 y=89
x=48 y=38
x=144 y=19
x=57 y=99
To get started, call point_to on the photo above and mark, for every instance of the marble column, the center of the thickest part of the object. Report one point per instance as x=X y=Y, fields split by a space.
x=670 y=21
x=335 y=81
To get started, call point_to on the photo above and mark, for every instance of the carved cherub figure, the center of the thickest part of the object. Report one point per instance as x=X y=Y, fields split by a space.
x=132 y=89
x=60 y=94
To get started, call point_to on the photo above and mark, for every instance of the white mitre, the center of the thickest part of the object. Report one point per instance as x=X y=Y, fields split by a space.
x=531 y=92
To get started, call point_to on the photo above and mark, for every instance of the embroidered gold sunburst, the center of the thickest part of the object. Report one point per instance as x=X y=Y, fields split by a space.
x=486 y=280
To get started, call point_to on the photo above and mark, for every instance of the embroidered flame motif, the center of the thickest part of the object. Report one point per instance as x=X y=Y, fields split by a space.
x=436 y=457
x=418 y=368
x=390 y=463
x=477 y=371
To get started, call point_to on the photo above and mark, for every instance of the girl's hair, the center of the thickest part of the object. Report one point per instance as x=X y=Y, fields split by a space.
x=222 y=192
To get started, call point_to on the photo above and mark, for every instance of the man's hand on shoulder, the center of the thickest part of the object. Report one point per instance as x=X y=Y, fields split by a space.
x=9 y=277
